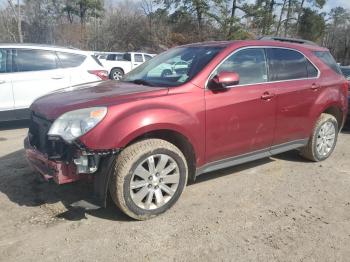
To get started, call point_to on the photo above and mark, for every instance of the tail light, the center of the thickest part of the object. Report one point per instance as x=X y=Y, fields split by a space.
x=103 y=74
x=346 y=88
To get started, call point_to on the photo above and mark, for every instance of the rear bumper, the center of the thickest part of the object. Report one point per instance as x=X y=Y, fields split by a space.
x=59 y=171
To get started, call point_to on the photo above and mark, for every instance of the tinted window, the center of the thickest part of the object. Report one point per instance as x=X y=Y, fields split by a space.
x=138 y=58
x=311 y=69
x=328 y=59
x=250 y=64
x=127 y=57
x=71 y=60
x=345 y=71
x=3 y=55
x=33 y=60
x=111 y=57
x=148 y=57
x=286 y=64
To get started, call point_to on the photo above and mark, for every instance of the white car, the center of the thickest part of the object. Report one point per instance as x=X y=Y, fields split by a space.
x=30 y=71
x=119 y=64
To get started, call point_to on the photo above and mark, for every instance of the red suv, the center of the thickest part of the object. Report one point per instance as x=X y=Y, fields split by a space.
x=219 y=104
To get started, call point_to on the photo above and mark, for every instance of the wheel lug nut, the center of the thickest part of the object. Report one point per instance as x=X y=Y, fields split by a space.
x=157 y=174
x=161 y=180
x=150 y=178
x=149 y=186
x=156 y=187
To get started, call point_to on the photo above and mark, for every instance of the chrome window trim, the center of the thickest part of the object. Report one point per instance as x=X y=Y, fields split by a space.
x=267 y=82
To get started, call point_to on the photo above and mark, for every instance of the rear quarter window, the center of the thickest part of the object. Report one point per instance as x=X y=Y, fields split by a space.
x=286 y=64
x=328 y=59
x=68 y=60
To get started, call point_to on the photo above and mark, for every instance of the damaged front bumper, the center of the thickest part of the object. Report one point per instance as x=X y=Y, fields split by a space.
x=61 y=172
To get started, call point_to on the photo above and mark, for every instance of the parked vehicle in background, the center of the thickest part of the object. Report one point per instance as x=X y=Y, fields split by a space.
x=119 y=64
x=346 y=71
x=30 y=71
x=142 y=138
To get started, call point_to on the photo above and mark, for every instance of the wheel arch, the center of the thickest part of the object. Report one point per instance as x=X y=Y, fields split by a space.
x=176 y=138
x=335 y=111
x=117 y=67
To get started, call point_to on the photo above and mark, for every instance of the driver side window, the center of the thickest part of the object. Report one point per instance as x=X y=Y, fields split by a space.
x=249 y=63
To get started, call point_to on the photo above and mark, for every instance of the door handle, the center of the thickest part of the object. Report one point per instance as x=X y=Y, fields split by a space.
x=2 y=82
x=315 y=87
x=56 y=77
x=267 y=96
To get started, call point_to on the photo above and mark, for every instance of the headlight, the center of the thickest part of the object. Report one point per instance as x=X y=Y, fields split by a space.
x=74 y=124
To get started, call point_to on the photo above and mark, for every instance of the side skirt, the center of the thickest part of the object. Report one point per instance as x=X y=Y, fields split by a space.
x=237 y=160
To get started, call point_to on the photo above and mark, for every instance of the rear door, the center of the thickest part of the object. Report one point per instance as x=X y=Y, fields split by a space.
x=138 y=60
x=296 y=82
x=36 y=73
x=6 y=93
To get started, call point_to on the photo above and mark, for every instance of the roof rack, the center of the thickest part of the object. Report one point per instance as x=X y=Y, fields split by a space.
x=287 y=39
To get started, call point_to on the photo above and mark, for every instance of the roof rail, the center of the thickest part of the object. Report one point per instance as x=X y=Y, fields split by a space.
x=287 y=39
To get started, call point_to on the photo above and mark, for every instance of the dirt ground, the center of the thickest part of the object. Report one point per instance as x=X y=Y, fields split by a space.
x=276 y=209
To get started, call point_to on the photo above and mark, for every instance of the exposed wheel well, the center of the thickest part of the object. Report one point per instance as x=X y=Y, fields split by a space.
x=117 y=68
x=179 y=141
x=337 y=113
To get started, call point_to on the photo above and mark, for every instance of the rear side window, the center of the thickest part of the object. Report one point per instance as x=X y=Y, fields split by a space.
x=3 y=63
x=68 y=60
x=127 y=57
x=249 y=63
x=346 y=71
x=25 y=60
x=138 y=58
x=286 y=64
x=148 y=57
x=328 y=59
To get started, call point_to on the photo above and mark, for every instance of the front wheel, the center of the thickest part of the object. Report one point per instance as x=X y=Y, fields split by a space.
x=323 y=139
x=148 y=179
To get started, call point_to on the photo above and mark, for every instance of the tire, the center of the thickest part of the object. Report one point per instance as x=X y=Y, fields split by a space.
x=166 y=72
x=326 y=124
x=116 y=74
x=151 y=195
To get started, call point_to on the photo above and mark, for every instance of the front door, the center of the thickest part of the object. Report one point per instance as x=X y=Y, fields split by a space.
x=36 y=73
x=241 y=119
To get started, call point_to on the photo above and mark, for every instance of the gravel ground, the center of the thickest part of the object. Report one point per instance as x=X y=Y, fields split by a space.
x=277 y=209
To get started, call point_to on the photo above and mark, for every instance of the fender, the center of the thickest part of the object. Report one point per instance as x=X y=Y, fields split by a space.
x=122 y=127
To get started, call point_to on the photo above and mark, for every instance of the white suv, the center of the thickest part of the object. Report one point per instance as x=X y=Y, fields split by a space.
x=30 y=71
x=118 y=64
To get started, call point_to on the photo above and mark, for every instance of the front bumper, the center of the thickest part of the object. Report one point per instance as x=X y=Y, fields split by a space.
x=59 y=171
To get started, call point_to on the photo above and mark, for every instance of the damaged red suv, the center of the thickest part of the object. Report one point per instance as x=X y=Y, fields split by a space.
x=191 y=110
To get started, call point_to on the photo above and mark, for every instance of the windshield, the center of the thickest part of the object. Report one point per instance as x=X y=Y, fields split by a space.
x=174 y=67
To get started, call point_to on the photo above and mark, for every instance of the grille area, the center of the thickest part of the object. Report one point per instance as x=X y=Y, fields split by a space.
x=53 y=147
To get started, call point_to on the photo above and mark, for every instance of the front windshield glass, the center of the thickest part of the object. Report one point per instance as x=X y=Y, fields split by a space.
x=174 y=67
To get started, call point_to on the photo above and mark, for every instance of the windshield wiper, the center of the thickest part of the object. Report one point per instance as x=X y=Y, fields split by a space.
x=141 y=82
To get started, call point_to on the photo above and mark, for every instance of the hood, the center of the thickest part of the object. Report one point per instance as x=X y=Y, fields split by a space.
x=104 y=93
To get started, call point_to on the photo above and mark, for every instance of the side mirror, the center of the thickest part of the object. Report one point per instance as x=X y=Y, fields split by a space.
x=223 y=80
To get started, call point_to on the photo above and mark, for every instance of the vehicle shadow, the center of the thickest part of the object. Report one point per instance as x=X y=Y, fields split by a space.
x=26 y=187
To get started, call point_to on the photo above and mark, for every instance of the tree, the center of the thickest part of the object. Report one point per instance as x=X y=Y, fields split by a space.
x=312 y=25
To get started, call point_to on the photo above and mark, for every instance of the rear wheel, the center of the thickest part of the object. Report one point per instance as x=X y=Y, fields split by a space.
x=149 y=177
x=116 y=74
x=323 y=139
